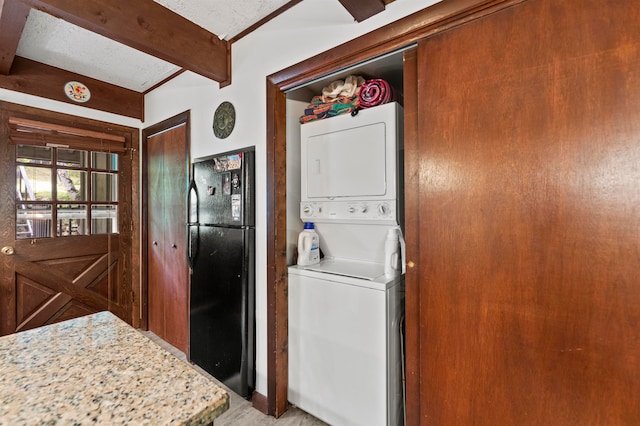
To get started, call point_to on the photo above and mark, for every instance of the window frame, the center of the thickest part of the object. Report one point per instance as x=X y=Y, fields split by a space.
x=55 y=203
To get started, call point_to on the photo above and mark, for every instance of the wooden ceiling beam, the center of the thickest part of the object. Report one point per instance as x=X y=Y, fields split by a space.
x=148 y=27
x=363 y=9
x=38 y=79
x=13 y=17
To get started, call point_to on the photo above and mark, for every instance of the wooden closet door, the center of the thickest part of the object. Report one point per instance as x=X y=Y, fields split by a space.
x=176 y=285
x=167 y=269
x=155 y=236
x=528 y=263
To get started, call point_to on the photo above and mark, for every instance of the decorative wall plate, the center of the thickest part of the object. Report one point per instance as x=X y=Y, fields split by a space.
x=77 y=92
x=224 y=119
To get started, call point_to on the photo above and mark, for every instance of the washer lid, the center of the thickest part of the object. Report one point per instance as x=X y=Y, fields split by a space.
x=362 y=270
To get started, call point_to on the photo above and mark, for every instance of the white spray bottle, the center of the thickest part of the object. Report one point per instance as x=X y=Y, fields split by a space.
x=392 y=254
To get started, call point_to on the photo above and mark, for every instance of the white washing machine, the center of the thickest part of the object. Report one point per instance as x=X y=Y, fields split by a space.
x=345 y=356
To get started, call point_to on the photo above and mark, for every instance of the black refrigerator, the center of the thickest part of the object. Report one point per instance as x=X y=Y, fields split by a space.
x=221 y=254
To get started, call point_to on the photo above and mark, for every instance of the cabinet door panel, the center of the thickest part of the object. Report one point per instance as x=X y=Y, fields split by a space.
x=167 y=270
x=528 y=217
x=155 y=234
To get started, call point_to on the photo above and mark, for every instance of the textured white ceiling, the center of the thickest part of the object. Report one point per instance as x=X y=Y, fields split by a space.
x=225 y=18
x=57 y=43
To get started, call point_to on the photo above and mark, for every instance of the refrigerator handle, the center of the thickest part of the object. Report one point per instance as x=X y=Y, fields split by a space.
x=192 y=246
x=193 y=189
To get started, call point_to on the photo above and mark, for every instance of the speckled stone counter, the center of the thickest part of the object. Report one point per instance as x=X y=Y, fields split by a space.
x=99 y=370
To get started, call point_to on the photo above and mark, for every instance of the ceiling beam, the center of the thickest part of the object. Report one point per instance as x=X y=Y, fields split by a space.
x=149 y=27
x=363 y=9
x=13 y=16
x=35 y=78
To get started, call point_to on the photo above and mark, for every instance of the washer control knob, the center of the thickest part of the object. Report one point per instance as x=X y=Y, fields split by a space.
x=383 y=209
x=307 y=210
x=351 y=209
x=364 y=208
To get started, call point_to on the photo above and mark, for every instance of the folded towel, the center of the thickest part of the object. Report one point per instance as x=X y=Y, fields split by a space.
x=342 y=88
x=376 y=92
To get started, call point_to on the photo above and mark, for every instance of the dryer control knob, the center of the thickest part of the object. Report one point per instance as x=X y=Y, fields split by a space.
x=383 y=209
x=364 y=208
x=307 y=209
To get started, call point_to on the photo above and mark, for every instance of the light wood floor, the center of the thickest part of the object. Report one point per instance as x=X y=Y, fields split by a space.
x=241 y=411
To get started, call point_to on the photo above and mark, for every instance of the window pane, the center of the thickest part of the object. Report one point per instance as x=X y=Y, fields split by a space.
x=104 y=161
x=72 y=220
x=72 y=185
x=104 y=219
x=33 y=154
x=72 y=158
x=104 y=187
x=33 y=183
x=33 y=221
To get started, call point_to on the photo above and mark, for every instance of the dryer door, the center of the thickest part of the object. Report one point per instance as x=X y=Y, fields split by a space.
x=346 y=163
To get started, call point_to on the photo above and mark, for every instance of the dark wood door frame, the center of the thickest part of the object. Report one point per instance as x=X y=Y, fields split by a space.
x=402 y=33
x=177 y=120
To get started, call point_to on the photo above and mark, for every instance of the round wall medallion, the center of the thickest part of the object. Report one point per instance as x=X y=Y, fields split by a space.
x=77 y=92
x=224 y=119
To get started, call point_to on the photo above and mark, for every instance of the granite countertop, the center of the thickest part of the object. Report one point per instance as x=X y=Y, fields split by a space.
x=99 y=370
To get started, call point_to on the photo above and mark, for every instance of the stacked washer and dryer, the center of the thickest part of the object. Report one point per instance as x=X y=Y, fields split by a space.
x=346 y=314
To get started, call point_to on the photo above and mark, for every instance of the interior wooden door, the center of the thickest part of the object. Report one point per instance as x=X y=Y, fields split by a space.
x=528 y=217
x=167 y=268
x=62 y=256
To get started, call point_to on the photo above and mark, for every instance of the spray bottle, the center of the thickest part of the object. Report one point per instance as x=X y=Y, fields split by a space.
x=392 y=254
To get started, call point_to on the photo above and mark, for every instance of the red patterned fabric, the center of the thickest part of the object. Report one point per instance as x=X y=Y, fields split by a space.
x=376 y=92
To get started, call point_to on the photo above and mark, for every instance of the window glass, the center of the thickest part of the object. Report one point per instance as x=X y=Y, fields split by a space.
x=72 y=158
x=33 y=183
x=72 y=220
x=104 y=187
x=72 y=185
x=104 y=161
x=33 y=221
x=104 y=219
x=33 y=154
x=82 y=185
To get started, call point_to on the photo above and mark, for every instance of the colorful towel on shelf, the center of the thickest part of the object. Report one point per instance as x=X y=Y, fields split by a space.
x=318 y=109
x=376 y=92
x=339 y=97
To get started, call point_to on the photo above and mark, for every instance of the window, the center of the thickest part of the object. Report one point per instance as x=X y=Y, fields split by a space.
x=63 y=192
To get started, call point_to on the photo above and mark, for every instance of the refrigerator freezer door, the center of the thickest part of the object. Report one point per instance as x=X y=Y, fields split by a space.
x=222 y=306
x=224 y=190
